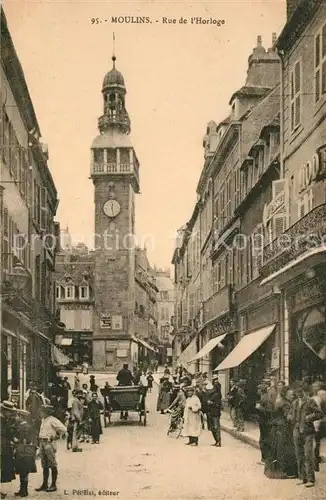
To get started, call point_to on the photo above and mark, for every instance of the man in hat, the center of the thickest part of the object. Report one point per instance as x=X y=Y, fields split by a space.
x=50 y=431
x=77 y=413
x=33 y=406
x=214 y=406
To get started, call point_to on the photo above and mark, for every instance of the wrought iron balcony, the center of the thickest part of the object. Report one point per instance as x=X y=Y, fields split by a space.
x=307 y=233
x=221 y=302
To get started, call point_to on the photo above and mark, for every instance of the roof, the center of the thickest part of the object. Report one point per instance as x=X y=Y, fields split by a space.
x=250 y=91
x=112 y=138
x=113 y=78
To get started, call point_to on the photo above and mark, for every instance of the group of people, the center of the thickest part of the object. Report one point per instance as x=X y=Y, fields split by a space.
x=290 y=420
x=18 y=450
x=194 y=400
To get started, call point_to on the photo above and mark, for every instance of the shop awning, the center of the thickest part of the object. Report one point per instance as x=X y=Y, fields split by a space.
x=247 y=345
x=188 y=354
x=66 y=342
x=209 y=346
x=141 y=341
x=58 y=358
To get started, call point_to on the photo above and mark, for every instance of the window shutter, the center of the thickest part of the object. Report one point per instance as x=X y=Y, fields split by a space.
x=279 y=225
x=278 y=187
x=43 y=209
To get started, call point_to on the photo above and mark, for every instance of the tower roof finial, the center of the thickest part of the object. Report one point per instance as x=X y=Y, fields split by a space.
x=113 y=51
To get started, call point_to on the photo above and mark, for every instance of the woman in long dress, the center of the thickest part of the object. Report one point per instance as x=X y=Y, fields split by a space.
x=280 y=463
x=163 y=401
x=192 y=425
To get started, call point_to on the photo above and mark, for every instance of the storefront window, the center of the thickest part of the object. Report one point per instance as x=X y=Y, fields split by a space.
x=308 y=344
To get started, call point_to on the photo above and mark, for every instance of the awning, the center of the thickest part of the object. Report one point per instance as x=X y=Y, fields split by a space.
x=141 y=341
x=66 y=342
x=209 y=346
x=187 y=355
x=58 y=358
x=247 y=345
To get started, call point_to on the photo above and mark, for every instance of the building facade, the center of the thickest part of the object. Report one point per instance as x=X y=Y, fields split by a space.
x=165 y=313
x=262 y=208
x=75 y=302
x=28 y=234
x=294 y=262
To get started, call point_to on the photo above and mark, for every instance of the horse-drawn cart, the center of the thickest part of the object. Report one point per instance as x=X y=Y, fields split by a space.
x=122 y=399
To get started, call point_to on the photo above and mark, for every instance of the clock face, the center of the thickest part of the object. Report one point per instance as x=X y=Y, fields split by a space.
x=111 y=208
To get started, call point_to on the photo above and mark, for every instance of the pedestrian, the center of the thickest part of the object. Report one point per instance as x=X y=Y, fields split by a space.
x=264 y=410
x=66 y=388
x=77 y=413
x=85 y=367
x=51 y=429
x=192 y=426
x=92 y=384
x=239 y=405
x=58 y=402
x=176 y=408
x=304 y=412
x=77 y=384
x=272 y=390
x=280 y=459
x=316 y=391
x=34 y=404
x=163 y=400
x=150 y=380
x=231 y=398
x=7 y=417
x=94 y=416
x=25 y=452
x=214 y=407
x=27 y=393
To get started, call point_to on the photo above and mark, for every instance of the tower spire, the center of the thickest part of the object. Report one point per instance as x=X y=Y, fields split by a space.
x=113 y=52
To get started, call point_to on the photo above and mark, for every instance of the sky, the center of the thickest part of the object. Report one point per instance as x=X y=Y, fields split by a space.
x=178 y=77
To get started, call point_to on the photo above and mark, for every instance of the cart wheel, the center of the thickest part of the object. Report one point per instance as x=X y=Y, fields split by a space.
x=109 y=418
x=145 y=419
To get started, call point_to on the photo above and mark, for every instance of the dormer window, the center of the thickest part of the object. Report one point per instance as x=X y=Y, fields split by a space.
x=84 y=292
x=70 y=292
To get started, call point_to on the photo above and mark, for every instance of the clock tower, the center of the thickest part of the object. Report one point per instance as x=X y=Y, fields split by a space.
x=115 y=176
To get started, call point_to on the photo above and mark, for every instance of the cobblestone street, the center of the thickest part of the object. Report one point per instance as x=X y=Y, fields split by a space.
x=142 y=462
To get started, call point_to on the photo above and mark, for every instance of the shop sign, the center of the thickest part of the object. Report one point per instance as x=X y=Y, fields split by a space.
x=105 y=321
x=122 y=353
x=313 y=169
x=116 y=322
x=275 y=361
x=74 y=307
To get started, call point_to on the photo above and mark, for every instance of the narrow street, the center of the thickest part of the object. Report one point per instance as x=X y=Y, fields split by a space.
x=142 y=462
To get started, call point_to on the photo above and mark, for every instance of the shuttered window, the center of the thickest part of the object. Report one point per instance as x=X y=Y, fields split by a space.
x=295 y=96
x=43 y=209
x=320 y=64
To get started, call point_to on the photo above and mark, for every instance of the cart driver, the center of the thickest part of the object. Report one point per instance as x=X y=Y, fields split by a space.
x=124 y=377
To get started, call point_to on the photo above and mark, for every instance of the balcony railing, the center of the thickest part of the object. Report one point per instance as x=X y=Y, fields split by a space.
x=218 y=304
x=308 y=233
x=112 y=168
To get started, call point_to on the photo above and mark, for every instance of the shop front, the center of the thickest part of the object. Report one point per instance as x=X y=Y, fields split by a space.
x=307 y=324
x=78 y=347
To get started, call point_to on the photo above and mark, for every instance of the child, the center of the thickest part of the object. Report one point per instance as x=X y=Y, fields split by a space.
x=150 y=379
x=70 y=429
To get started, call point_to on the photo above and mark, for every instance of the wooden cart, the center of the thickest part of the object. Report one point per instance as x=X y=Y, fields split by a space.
x=125 y=398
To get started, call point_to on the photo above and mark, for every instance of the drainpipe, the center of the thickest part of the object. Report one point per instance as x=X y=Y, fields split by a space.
x=281 y=54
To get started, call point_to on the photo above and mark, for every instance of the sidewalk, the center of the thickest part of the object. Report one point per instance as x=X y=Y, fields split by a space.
x=251 y=434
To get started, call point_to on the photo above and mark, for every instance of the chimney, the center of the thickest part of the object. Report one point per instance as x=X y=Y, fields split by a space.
x=259 y=41
x=274 y=38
